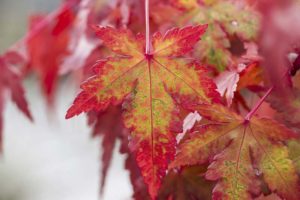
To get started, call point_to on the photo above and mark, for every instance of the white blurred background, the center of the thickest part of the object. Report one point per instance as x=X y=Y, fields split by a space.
x=52 y=158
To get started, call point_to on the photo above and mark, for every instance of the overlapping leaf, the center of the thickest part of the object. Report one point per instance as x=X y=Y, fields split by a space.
x=186 y=184
x=240 y=151
x=294 y=153
x=147 y=83
x=11 y=81
x=226 y=19
x=288 y=106
x=246 y=158
x=49 y=34
x=83 y=42
x=227 y=83
x=231 y=83
x=107 y=124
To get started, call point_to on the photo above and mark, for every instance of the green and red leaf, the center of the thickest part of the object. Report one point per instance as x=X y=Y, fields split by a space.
x=226 y=19
x=239 y=151
x=149 y=87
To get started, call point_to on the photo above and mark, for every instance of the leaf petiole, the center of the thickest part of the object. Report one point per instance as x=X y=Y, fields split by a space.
x=147 y=52
x=258 y=104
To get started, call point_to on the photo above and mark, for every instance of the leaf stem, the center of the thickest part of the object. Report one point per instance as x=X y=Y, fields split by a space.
x=147 y=27
x=258 y=104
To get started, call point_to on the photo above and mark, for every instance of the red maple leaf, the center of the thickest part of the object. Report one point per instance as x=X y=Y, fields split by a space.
x=47 y=45
x=11 y=81
x=148 y=83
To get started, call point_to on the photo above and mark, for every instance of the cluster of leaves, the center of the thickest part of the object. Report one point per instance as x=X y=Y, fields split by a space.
x=183 y=112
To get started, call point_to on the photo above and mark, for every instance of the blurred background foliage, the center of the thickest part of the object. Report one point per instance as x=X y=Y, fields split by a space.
x=14 y=17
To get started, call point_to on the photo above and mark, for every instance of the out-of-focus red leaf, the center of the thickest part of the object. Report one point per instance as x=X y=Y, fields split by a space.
x=288 y=108
x=83 y=41
x=295 y=66
x=11 y=81
x=276 y=40
x=107 y=125
x=186 y=184
x=1 y=113
x=271 y=196
x=14 y=58
x=48 y=47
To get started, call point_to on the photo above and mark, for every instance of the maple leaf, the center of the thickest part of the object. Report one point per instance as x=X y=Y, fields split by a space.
x=186 y=184
x=11 y=81
x=251 y=77
x=240 y=150
x=80 y=45
x=148 y=82
x=287 y=107
x=294 y=153
x=83 y=41
x=140 y=191
x=45 y=32
x=227 y=83
x=231 y=82
x=274 y=53
x=225 y=18
x=107 y=124
x=268 y=197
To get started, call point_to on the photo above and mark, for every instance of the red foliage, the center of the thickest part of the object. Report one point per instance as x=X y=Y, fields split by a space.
x=141 y=96
x=11 y=81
